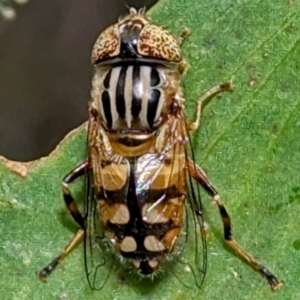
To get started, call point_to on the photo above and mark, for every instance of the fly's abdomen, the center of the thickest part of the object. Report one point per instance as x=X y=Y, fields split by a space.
x=130 y=97
x=144 y=215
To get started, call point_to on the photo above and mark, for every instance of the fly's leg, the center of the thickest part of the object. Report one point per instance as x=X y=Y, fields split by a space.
x=46 y=271
x=183 y=65
x=183 y=35
x=198 y=174
x=72 y=207
x=68 y=198
x=227 y=86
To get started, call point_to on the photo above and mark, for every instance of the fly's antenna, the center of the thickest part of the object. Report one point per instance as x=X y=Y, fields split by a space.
x=142 y=10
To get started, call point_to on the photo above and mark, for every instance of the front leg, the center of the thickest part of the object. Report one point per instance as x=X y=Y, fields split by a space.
x=198 y=174
x=227 y=86
x=185 y=32
x=183 y=65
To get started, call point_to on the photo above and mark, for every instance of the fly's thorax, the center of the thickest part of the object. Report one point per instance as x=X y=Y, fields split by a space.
x=134 y=97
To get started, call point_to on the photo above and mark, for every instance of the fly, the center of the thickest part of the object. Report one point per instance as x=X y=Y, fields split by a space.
x=141 y=177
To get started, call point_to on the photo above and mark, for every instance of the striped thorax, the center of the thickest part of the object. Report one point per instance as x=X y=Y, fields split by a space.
x=131 y=97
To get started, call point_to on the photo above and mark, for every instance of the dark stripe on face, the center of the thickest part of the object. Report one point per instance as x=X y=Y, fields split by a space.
x=120 y=99
x=152 y=106
x=154 y=77
x=136 y=104
x=107 y=80
x=106 y=108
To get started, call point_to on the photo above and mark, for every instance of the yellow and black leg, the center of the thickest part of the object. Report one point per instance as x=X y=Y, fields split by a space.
x=69 y=200
x=72 y=207
x=198 y=174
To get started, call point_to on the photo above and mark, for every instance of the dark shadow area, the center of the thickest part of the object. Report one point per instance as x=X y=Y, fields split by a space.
x=45 y=71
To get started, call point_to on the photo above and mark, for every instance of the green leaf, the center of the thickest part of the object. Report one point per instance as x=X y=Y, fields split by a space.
x=249 y=143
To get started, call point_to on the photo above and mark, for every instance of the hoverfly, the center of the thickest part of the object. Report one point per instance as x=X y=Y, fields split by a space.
x=140 y=171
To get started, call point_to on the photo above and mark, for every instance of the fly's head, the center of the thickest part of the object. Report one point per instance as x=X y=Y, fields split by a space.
x=135 y=37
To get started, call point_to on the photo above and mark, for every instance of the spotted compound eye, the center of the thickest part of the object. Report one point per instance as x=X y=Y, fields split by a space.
x=107 y=44
x=159 y=43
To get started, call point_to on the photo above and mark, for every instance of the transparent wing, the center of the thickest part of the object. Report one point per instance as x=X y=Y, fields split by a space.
x=191 y=252
x=97 y=259
x=197 y=228
x=163 y=177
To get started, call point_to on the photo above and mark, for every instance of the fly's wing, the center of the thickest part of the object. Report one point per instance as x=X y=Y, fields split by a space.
x=191 y=255
x=171 y=201
x=97 y=259
x=195 y=223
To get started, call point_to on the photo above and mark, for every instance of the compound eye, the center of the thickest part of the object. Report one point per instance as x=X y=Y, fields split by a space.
x=107 y=45
x=156 y=42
